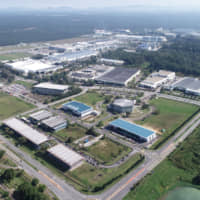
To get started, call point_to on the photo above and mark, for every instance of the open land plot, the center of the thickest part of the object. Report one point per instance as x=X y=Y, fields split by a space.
x=13 y=56
x=168 y=117
x=107 y=151
x=26 y=84
x=96 y=179
x=90 y=98
x=72 y=131
x=10 y=106
x=180 y=169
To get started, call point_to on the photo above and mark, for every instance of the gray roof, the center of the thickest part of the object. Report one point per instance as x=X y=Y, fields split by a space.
x=119 y=75
x=52 y=86
x=26 y=131
x=188 y=83
x=41 y=115
x=65 y=154
x=54 y=121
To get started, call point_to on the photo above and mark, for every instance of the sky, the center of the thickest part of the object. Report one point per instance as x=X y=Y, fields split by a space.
x=181 y=4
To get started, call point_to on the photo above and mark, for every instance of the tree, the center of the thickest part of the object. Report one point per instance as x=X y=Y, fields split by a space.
x=1 y=154
x=34 y=181
x=41 y=188
x=8 y=175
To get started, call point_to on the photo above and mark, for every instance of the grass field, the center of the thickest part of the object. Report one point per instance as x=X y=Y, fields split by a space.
x=10 y=106
x=90 y=98
x=13 y=56
x=24 y=83
x=171 y=114
x=178 y=170
x=99 y=179
x=107 y=151
x=74 y=132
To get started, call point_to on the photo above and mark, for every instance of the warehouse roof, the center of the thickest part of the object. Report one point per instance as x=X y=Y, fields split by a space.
x=54 y=121
x=153 y=79
x=123 y=102
x=77 y=106
x=132 y=128
x=26 y=131
x=65 y=154
x=118 y=75
x=188 y=83
x=112 y=60
x=41 y=115
x=164 y=72
x=48 y=85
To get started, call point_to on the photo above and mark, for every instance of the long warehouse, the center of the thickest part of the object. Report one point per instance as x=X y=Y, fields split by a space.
x=67 y=156
x=26 y=131
x=133 y=131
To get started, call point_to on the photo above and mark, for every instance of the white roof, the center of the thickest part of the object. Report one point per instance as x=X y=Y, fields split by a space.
x=123 y=102
x=41 y=115
x=32 y=66
x=65 y=154
x=153 y=80
x=165 y=73
x=26 y=131
x=48 y=85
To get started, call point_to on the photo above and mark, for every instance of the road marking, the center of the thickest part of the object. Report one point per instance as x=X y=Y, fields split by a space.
x=51 y=181
x=123 y=186
x=167 y=148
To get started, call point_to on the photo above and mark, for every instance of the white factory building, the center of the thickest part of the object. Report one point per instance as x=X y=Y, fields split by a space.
x=39 y=116
x=157 y=79
x=66 y=156
x=50 y=89
x=32 y=135
x=111 y=62
x=122 y=106
x=33 y=66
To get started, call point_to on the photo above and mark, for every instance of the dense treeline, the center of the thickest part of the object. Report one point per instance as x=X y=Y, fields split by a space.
x=180 y=56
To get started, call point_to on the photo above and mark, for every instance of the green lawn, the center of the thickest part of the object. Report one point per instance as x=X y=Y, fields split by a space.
x=108 y=151
x=176 y=171
x=10 y=106
x=74 y=132
x=24 y=83
x=171 y=114
x=13 y=56
x=90 y=98
x=99 y=179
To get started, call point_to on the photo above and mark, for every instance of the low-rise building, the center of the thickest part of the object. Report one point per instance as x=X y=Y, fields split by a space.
x=22 y=129
x=50 y=89
x=39 y=116
x=78 y=108
x=66 y=156
x=131 y=130
x=122 y=106
x=55 y=123
x=111 y=62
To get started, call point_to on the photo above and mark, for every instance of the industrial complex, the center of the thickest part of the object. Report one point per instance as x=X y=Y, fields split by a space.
x=119 y=76
x=32 y=135
x=78 y=108
x=131 y=130
x=50 y=89
x=66 y=156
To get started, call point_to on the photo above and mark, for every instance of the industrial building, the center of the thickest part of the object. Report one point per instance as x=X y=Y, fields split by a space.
x=32 y=135
x=34 y=66
x=131 y=130
x=188 y=85
x=50 y=89
x=39 y=116
x=122 y=106
x=55 y=123
x=66 y=156
x=111 y=62
x=157 y=79
x=78 y=108
x=120 y=76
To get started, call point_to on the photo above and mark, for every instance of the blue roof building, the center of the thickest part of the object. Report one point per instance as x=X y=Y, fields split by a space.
x=132 y=130
x=77 y=108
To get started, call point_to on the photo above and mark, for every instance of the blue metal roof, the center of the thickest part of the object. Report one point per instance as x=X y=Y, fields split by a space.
x=132 y=128
x=76 y=106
